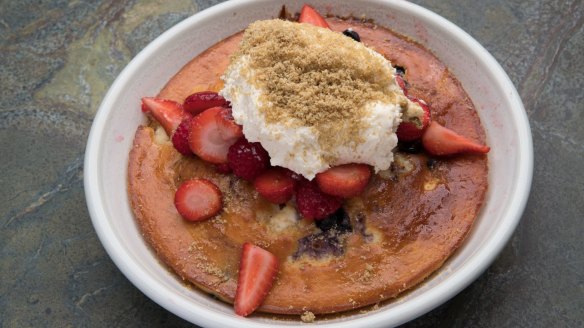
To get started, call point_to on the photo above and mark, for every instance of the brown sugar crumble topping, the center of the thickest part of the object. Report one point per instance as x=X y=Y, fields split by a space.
x=302 y=67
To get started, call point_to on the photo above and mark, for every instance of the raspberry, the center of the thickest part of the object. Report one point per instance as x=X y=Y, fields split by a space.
x=313 y=203
x=180 y=138
x=247 y=159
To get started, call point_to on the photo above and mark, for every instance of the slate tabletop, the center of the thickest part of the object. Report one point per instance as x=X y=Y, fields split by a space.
x=57 y=60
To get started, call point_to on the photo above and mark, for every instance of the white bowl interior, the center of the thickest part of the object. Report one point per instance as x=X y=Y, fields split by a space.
x=492 y=92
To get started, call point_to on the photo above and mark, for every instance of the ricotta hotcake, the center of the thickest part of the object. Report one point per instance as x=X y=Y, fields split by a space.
x=402 y=228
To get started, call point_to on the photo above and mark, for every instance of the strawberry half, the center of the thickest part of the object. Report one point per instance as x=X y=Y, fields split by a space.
x=438 y=140
x=410 y=131
x=345 y=181
x=257 y=271
x=197 y=199
x=275 y=185
x=166 y=112
x=200 y=101
x=311 y=16
x=312 y=203
x=209 y=140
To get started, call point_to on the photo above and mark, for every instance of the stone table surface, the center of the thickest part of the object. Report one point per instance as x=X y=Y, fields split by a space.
x=58 y=57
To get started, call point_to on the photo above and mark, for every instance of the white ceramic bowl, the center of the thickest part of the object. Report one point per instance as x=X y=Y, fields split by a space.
x=495 y=97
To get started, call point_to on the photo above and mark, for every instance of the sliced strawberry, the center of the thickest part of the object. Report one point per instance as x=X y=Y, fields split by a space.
x=228 y=129
x=439 y=140
x=311 y=16
x=275 y=185
x=166 y=112
x=206 y=139
x=345 y=181
x=200 y=101
x=257 y=271
x=198 y=199
x=248 y=159
x=410 y=131
x=180 y=137
x=401 y=83
x=312 y=203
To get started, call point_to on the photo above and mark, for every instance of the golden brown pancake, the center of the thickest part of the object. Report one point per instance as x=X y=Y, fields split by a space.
x=408 y=221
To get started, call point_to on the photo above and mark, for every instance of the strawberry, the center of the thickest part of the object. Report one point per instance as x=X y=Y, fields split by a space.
x=275 y=185
x=311 y=16
x=197 y=199
x=200 y=101
x=207 y=139
x=257 y=271
x=228 y=129
x=180 y=137
x=345 y=181
x=401 y=83
x=166 y=112
x=410 y=131
x=438 y=140
x=312 y=203
x=248 y=159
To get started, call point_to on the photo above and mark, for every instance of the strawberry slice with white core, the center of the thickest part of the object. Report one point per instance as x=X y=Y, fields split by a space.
x=198 y=199
x=228 y=129
x=275 y=185
x=345 y=181
x=257 y=271
x=439 y=140
x=209 y=140
x=168 y=113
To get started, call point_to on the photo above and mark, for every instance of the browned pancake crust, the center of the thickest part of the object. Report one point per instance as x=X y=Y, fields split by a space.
x=404 y=228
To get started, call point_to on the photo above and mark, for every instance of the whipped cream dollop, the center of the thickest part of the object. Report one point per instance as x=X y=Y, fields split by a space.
x=315 y=98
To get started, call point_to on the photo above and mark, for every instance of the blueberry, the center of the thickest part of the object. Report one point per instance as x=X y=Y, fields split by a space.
x=319 y=245
x=352 y=34
x=413 y=147
x=431 y=163
x=338 y=221
x=400 y=70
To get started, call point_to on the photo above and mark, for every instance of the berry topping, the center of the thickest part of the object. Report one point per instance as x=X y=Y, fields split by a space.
x=248 y=159
x=180 y=137
x=339 y=221
x=345 y=181
x=402 y=84
x=228 y=129
x=207 y=140
x=200 y=101
x=313 y=203
x=439 y=140
x=311 y=16
x=257 y=271
x=400 y=70
x=197 y=199
x=352 y=34
x=410 y=131
x=166 y=112
x=275 y=185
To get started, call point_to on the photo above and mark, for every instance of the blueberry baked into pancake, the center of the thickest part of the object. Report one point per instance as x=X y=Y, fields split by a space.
x=308 y=165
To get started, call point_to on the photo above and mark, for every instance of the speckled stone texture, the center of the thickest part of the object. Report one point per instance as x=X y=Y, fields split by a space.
x=59 y=57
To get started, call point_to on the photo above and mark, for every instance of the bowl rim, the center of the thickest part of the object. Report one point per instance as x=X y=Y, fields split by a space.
x=401 y=313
